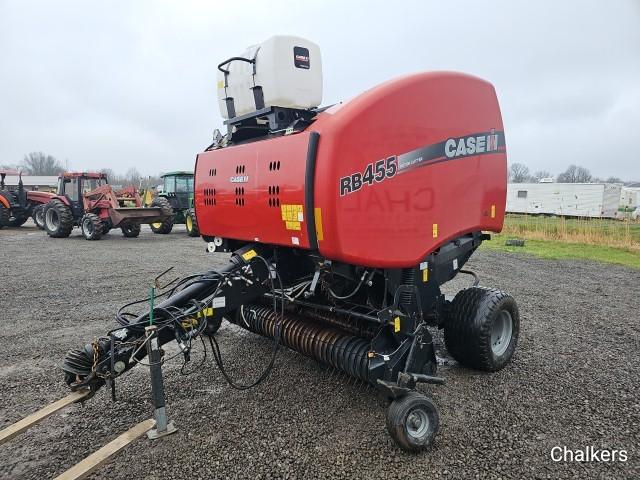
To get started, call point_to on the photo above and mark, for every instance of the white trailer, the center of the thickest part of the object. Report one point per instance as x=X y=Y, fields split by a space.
x=595 y=200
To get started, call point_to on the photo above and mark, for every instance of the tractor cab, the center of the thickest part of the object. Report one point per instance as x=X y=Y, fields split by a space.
x=178 y=189
x=74 y=185
x=176 y=192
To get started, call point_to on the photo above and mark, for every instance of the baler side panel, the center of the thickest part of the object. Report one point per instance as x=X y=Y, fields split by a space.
x=398 y=221
x=254 y=191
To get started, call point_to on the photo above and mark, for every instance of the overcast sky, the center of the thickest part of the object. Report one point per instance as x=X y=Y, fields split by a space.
x=123 y=84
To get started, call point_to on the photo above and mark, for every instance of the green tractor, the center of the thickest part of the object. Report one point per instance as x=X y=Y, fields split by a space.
x=177 y=192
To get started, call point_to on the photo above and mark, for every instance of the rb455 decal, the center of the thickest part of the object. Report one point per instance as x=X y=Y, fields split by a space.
x=375 y=172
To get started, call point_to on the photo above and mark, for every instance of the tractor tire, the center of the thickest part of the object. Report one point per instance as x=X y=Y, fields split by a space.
x=4 y=216
x=17 y=221
x=130 y=230
x=92 y=226
x=191 y=223
x=413 y=421
x=105 y=228
x=482 y=329
x=58 y=219
x=166 y=225
x=38 y=216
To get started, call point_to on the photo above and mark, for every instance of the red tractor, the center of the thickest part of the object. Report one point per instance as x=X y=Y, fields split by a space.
x=16 y=206
x=87 y=200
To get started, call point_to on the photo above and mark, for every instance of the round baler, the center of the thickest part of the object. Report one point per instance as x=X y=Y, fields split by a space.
x=343 y=222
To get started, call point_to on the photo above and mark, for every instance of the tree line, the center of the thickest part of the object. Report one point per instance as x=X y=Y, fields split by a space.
x=519 y=173
x=39 y=163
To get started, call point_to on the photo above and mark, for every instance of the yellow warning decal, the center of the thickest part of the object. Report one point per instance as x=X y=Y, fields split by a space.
x=207 y=312
x=396 y=324
x=493 y=211
x=292 y=216
x=249 y=255
x=425 y=275
x=435 y=230
x=318 y=215
x=220 y=84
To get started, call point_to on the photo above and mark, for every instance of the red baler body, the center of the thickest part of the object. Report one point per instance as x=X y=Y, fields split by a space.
x=443 y=129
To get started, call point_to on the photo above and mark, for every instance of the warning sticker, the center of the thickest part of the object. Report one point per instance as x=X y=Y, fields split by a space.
x=292 y=216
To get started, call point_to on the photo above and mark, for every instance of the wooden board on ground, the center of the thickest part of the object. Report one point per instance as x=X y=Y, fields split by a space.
x=28 y=422
x=99 y=457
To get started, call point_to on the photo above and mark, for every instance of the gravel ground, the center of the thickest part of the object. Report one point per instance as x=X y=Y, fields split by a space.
x=573 y=382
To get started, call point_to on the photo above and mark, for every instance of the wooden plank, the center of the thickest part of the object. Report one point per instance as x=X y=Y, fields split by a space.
x=99 y=457
x=28 y=422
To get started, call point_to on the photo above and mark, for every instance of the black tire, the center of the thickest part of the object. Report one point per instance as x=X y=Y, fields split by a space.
x=4 y=216
x=106 y=228
x=130 y=230
x=17 y=221
x=92 y=226
x=413 y=421
x=191 y=223
x=58 y=220
x=477 y=313
x=38 y=216
x=166 y=225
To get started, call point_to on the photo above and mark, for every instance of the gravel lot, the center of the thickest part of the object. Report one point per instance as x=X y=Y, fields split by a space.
x=574 y=381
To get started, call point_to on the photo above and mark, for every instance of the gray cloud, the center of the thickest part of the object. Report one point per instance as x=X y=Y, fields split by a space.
x=124 y=84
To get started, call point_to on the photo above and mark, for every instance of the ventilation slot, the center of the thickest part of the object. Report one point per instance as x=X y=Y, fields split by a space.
x=210 y=197
x=273 y=166
x=240 y=196
x=274 y=196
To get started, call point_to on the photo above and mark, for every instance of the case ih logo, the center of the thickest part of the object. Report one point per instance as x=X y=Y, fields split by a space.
x=239 y=179
x=301 y=57
x=471 y=145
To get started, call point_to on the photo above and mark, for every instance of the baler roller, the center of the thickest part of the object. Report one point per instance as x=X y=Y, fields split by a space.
x=325 y=344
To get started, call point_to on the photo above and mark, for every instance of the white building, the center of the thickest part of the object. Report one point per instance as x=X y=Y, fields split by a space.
x=565 y=199
x=32 y=182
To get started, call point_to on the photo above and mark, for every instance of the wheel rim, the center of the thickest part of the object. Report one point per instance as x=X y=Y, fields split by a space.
x=52 y=219
x=417 y=423
x=87 y=226
x=189 y=223
x=501 y=332
x=39 y=217
x=156 y=224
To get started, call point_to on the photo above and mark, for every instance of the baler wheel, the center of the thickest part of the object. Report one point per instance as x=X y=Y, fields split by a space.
x=130 y=230
x=413 y=421
x=482 y=329
x=38 y=216
x=166 y=225
x=91 y=226
x=58 y=219
x=192 y=223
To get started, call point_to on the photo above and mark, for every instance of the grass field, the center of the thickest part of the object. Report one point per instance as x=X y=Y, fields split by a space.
x=610 y=241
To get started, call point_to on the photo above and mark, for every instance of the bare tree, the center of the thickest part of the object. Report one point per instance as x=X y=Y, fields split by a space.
x=575 y=174
x=613 y=180
x=132 y=176
x=37 y=163
x=519 y=173
x=540 y=174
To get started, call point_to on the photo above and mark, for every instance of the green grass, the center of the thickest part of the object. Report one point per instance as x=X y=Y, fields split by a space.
x=557 y=250
x=575 y=230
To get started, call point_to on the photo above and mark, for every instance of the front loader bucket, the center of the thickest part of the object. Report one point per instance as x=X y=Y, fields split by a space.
x=136 y=215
